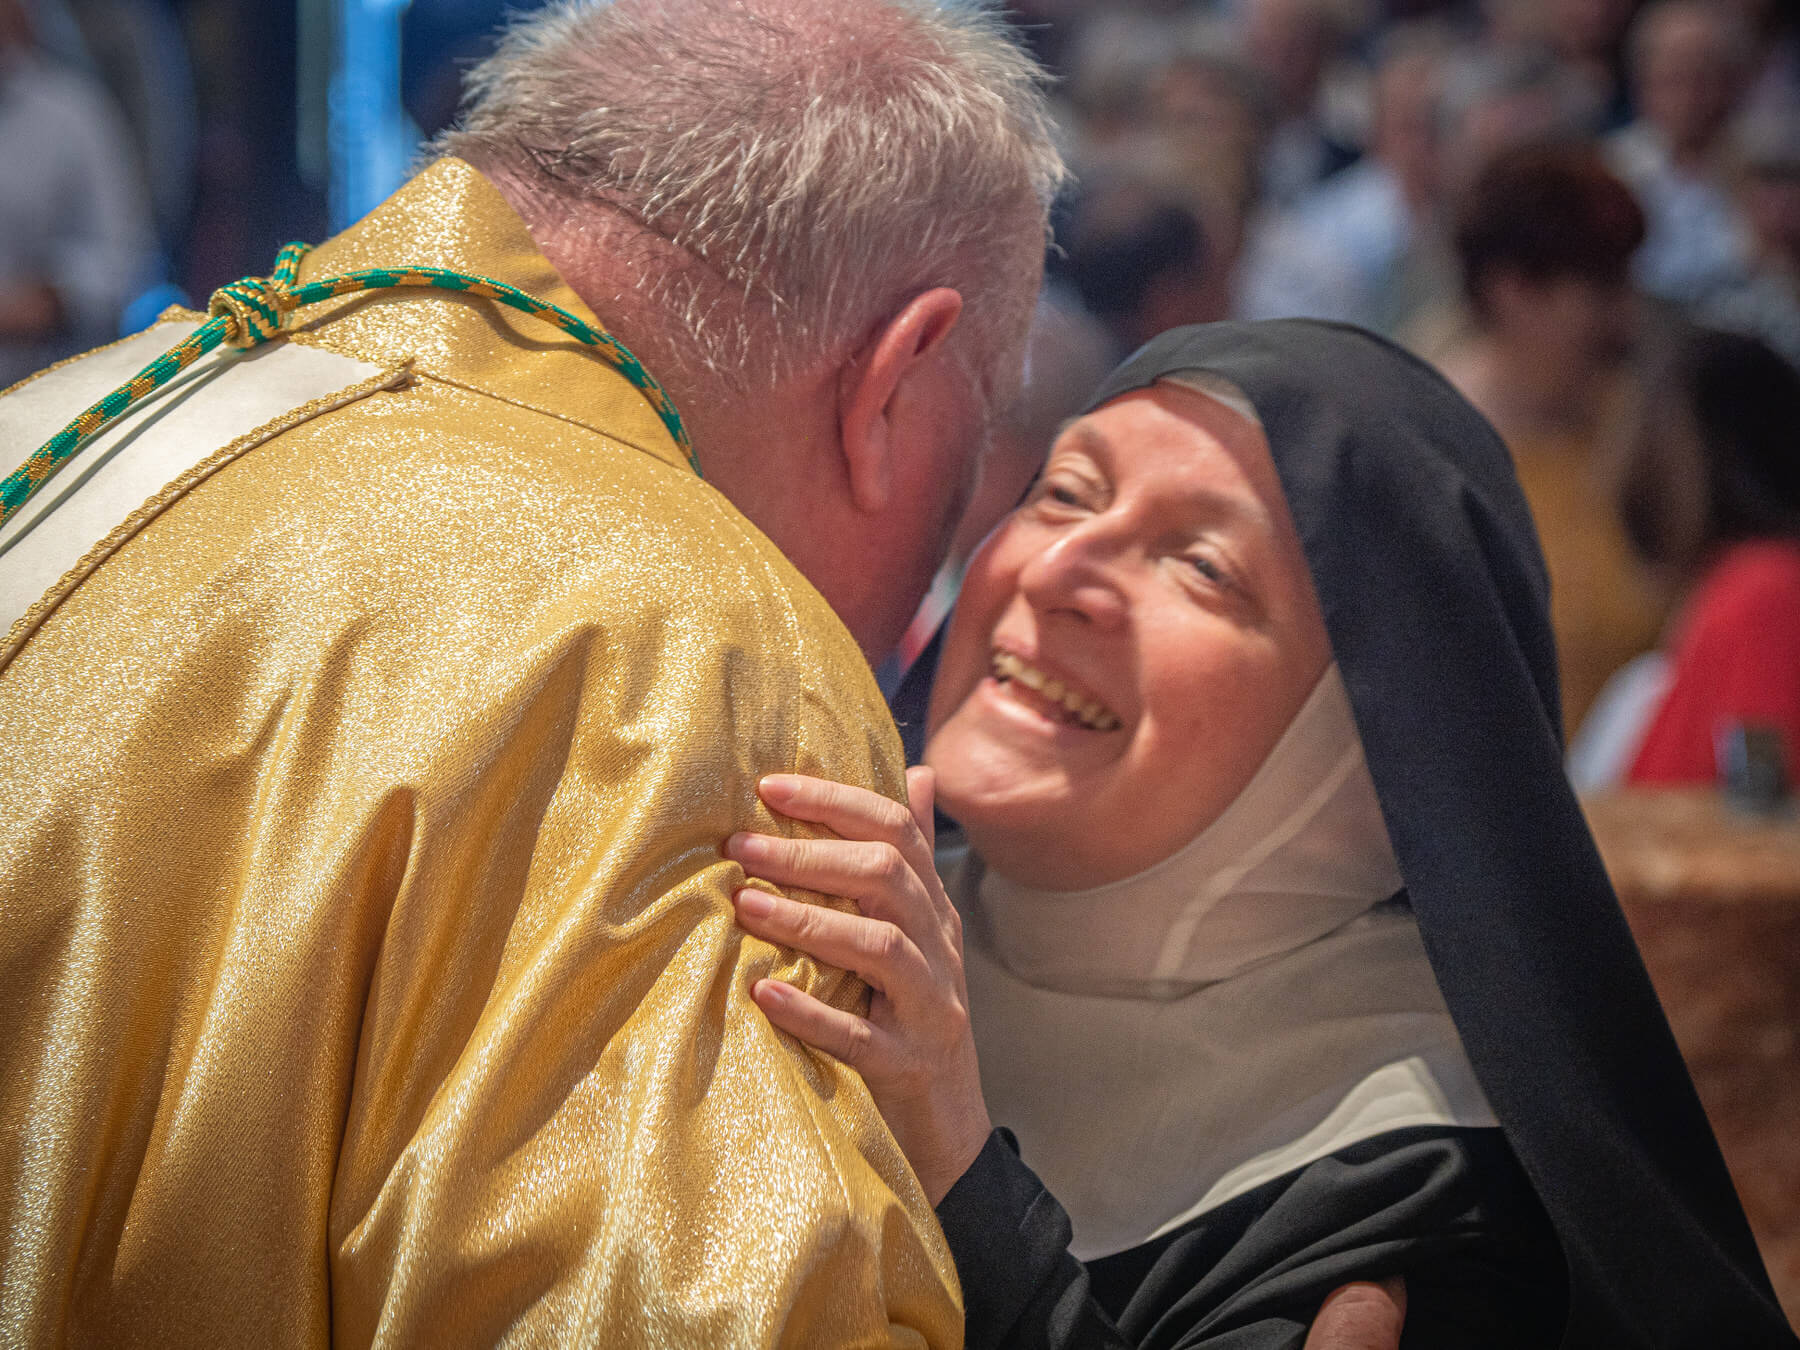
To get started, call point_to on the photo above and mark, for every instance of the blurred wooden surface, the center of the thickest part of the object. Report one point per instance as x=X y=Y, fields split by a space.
x=1713 y=896
x=1686 y=844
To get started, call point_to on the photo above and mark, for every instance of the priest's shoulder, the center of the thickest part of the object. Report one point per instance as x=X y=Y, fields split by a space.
x=434 y=498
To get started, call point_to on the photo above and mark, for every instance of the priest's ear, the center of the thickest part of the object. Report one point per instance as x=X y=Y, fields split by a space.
x=889 y=388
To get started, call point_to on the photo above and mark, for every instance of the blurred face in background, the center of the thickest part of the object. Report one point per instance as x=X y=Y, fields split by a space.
x=1288 y=42
x=1689 y=74
x=1408 y=123
x=1582 y=326
x=1128 y=646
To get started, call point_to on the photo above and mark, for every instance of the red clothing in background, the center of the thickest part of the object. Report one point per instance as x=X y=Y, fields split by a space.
x=1736 y=658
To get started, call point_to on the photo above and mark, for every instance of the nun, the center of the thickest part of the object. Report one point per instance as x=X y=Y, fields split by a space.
x=1271 y=935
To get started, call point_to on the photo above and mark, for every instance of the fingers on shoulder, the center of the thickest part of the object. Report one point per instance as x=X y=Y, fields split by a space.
x=842 y=1035
x=871 y=872
x=847 y=810
x=873 y=948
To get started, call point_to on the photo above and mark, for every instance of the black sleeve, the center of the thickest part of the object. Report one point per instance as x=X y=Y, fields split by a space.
x=1010 y=1238
x=1448 y=1209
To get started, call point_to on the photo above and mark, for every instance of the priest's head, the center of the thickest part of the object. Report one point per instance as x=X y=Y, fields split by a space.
x=820 y=223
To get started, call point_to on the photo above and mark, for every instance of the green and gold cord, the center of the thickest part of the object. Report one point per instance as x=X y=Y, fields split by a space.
x=253 y=311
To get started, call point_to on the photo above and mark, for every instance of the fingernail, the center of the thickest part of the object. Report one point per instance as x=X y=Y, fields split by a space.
x=746 y=847
x=772 y=991
x=781 y=784
x=757 y=904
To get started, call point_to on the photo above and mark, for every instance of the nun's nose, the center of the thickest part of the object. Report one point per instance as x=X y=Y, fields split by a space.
x=1079 y=573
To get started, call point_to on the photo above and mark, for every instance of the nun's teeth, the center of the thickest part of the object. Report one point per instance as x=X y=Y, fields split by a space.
x=1082 y=710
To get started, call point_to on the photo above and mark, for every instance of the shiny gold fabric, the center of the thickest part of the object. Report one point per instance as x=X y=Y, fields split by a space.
x=367 y=968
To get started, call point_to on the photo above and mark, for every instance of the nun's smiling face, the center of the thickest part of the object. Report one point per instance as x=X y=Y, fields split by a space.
x=1128 y=647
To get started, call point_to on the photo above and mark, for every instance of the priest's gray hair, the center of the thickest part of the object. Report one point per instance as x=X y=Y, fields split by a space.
x=821 y=160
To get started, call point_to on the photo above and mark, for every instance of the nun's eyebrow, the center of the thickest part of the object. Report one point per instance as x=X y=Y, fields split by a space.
x=1214 y=506
x=1085 y=437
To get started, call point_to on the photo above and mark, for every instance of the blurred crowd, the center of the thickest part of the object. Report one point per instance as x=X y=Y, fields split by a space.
x=1586 y=213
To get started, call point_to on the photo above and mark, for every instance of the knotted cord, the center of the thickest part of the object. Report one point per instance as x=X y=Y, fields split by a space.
x=250 y=312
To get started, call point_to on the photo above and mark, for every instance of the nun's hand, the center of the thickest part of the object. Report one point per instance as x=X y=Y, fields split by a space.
x=914 y=1049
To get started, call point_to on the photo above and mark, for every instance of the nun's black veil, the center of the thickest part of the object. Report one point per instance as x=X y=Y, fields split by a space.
x=1435 y=596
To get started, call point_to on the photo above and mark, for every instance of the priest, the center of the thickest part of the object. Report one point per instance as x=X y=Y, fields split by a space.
x=388 y=652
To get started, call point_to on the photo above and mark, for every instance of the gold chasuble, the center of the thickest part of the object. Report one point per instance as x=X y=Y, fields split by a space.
x=367 y=967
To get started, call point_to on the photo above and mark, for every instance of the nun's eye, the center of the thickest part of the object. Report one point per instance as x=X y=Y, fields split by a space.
x=1210 y=578
x=1061 y=491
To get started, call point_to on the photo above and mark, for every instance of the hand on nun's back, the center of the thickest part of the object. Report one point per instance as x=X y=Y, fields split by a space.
x=914 y=1049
